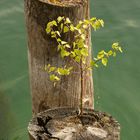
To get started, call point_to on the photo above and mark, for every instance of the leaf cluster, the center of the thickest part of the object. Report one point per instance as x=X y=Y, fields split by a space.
x=77 y=50
x=56 y=72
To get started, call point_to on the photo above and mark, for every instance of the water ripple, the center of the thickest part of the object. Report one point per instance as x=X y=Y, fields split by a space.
x=11 y=10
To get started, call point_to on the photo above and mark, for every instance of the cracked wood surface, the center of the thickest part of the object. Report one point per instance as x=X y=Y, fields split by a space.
x=65 y=124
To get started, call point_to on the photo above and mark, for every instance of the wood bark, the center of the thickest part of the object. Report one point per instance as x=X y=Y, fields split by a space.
x=42 y=51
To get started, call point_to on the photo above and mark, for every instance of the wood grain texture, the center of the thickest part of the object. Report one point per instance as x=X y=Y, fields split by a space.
x=42 y=51
x=66 y=125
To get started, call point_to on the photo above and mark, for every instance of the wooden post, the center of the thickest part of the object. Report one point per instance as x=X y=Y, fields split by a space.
x=42 y=51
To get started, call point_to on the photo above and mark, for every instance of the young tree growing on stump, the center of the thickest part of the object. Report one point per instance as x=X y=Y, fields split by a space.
x=68 y=123
x=68 y=62
x=77 y=50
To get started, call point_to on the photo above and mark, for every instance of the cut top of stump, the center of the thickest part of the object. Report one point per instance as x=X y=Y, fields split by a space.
x=64 y=3
x=66 y=124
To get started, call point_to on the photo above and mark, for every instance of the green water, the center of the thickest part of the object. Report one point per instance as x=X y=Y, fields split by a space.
x=117 y=85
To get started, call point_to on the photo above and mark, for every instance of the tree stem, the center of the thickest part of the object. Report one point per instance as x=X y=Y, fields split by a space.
x=82 y=89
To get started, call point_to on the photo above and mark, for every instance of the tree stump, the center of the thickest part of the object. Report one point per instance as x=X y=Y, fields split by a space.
x=42 y=51
x=66 y=124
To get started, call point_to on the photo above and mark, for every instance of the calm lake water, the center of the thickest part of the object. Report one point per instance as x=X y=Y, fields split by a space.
x=117 y=89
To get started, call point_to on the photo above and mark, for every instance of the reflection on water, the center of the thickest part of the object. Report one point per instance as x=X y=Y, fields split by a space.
x=132 y=23
x=11 y=83
x=6 y=117
x=10 y=10
x=14 y=109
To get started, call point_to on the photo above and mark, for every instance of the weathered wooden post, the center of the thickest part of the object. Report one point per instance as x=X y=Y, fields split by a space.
x=42 y=51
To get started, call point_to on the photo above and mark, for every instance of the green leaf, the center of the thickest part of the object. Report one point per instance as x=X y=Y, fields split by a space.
x=59 y=19
x=110 y=53
x=84 y=52
x=72 y=54
x=66 y=29
x=93 y=19
x=81 y=22
x=54 y=23
x=67 y=21
x=83 y=60
x=80 y=43
x=78 y=26
x=93 y=26
x=63 y=42
x=77 y=59
x=92 y=63
x=62 y=71
x=48 y=65
x=97 y=24
x=83 y=36
x=86 y=22
x=59 y=40
x=85 y=46
x=104 y=61
x=77 y=52
x=48 y=30
x=96 y=65
x=50 y=25
x=115 y=45
x=60 y=47
x=54 y=78
x=58 y=33
x=51 y=69
x=66 y=71
x=72 y=28
x=114 y=54
x=120 y=49
x=61 y=26
x=85 y=26
x=79 y=31
x=67 y=46
x=101 y=22
x=52 y=32
x=74 y=44
x=101 y=54
x=53 y=36
x=64 y=53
